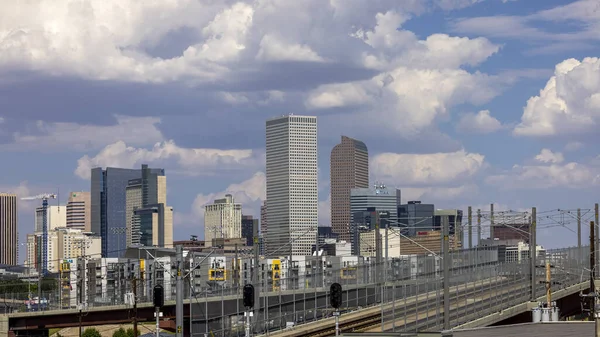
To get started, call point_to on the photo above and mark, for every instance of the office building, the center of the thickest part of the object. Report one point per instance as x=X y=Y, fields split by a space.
x=63 y=243
x=108 y=204
x=149 y=218
x=78 y=211
x=349 y=169
x=454 y=218
x=248 y=223
x=292 y=187
x=56 y=217
x=222 y=220
x=416 y=216
x=9 y=238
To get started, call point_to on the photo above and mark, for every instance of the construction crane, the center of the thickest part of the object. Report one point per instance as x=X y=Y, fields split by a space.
x=44 y=198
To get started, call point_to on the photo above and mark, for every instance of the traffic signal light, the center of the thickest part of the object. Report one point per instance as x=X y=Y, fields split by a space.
x=249 y=296
x=158 y=296
x=335 y=295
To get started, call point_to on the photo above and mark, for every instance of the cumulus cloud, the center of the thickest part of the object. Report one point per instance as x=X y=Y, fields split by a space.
x=481 y=122
x=137 y=131
x=569 y=104
x=189 y=161
x=547 y=156
x=426 y=169
x=568 y=175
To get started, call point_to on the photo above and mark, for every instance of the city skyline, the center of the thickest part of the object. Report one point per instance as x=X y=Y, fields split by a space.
x=457 y=109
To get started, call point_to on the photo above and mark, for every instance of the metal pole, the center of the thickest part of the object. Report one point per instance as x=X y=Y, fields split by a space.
x=191 y=292
x=579 y=235
x=532 y=252
x=478 y=227
x=446 y=262
x=470 y=224
x=337 y=323
x=157 y=311
x=597 y=236
x=135 y=318
x=255 y=277
x=179 y=295
x=247 y=313
x=492 y=222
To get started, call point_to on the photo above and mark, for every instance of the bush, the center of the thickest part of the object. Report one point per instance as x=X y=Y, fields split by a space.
x=120 y=333
x=130 y=333
x=91 y=332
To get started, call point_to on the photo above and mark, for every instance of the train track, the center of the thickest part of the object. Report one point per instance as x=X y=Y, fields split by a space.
x=372 y=320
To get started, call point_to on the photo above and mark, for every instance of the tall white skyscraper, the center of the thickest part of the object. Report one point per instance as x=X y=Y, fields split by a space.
x=222 y=219
x=292 y=188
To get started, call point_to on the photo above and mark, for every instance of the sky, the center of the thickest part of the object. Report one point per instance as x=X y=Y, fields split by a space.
x=460 y=102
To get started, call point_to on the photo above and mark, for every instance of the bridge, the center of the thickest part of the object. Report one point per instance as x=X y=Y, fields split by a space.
x=481 y=290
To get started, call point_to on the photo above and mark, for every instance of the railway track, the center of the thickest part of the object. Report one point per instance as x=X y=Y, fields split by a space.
x=372 y=320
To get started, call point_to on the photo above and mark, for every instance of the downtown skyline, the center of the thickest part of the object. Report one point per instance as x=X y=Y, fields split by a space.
x=455 y=107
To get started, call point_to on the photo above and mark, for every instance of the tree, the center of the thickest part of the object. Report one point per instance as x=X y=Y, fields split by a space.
x=91 y=332
x=120 y=333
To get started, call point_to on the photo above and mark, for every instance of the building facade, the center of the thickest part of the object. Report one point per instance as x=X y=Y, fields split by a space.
x=78 y=211
x=292 y=185
x=416 y=217
x=108 y=203
x=56 y=218
x=349 y=169
x=248 y=224
x=9 y=237
x=222 y=220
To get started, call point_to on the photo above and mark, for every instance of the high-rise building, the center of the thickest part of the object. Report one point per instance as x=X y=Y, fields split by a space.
x=56 y=217
x=416 y=217
x=349 y=169
x=8 y=229
x=149 y=219
x=78 y=211
x=108 y=203
x=222 y=220
x=292 y=187
x=248 y=223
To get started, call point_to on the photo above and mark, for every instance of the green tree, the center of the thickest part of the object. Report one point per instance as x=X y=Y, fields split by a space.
x=91 y=332
x=120 y=333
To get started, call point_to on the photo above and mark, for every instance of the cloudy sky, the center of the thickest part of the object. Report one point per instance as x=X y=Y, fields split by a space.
x=461 y=102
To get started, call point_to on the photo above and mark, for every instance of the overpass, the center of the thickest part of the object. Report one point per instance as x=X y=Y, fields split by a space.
x=480 y=292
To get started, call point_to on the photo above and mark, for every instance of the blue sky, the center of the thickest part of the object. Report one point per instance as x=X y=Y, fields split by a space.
x=461 y=102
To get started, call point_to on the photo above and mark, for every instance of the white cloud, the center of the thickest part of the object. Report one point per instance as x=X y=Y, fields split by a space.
x=438 y=193
x=573 y=146
x=1 y=119
x=547 y=156
x=137 y=131
x=569 y=104
x=569 y=175
x=24 y=189
x=481 y=123
x=190 y=161
x=426 y=169
x=272 y=48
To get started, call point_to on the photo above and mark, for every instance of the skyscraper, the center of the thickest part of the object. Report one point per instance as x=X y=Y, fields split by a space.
x=56 y=217
x=292 y=187
x=108 y=203
x=8 y=229
x=222 y=219
x=149 y=219
x=349 y=169
x=78 y=211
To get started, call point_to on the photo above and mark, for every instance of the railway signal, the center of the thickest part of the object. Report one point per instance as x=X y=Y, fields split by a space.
x=335 y=299
x=249 y=304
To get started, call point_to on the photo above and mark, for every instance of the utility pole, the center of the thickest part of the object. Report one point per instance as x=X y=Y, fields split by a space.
x=80 y=297
x=446 y=264
x=579 y=234
x=532 y=252
x=236 y=280
x=377 y=248
x=179 y=295
x=492 y=222
x=592 y=264
x=135 y=313
x=478 y=226
x=597 y=234
x=470 y=224
x=548 y=284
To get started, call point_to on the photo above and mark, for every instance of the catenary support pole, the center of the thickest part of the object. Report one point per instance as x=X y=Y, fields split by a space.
x=179 y=294
x=470 y=224
x=532 y=253
x=255 y=279
x=597 y=245
x=579 y=252
x=492 y=222
x=479 y=227
x=446 y=263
